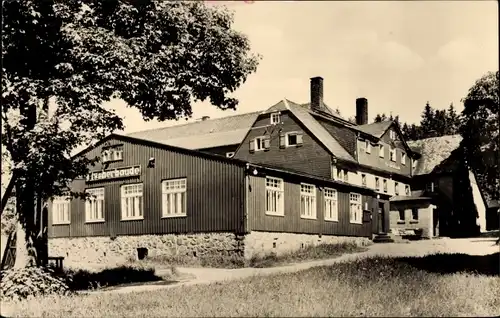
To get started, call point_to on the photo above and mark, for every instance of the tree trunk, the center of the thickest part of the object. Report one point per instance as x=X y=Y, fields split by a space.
x=25 y=253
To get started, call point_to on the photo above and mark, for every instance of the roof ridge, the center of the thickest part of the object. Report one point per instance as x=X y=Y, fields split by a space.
x=191 y=123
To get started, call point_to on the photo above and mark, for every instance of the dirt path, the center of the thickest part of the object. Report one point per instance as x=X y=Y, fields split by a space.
x=479 y=246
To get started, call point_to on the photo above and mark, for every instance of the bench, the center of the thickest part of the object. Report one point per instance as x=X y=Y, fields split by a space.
x=57 y=261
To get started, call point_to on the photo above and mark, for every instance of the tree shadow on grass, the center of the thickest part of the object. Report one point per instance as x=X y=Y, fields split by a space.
x=455 y=263
x=84 y=280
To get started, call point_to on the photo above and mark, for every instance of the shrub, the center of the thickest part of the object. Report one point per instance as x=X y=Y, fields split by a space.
x=17 y=284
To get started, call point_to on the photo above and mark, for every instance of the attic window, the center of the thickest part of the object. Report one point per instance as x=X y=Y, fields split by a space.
x=292 y=139
x=392 y=134
x=275 y=118
x=260 y=143
x=112 y=154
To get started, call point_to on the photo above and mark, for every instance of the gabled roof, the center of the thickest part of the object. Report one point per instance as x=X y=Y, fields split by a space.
x=375 y=129
x=317 y=130
x=434 y=151
x=209 y=133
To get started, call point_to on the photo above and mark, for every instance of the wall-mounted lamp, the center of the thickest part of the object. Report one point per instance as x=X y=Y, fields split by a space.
x=151 y=162
x=254 y=172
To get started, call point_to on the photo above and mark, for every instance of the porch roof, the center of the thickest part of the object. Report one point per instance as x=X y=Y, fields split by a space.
x=401 y=198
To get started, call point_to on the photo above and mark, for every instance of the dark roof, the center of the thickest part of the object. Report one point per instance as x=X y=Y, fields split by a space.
x=230 y=130
x=375 y=129
x=434 y=151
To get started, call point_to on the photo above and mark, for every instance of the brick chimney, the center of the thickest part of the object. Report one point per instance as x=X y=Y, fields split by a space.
x=361 y=111
x=317 y=94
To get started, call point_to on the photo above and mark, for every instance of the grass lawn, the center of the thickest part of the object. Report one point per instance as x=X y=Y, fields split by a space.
x=428 y=286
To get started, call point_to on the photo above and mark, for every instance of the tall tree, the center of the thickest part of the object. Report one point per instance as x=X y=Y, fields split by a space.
x=453 y=120
x=480 y=131
x=157 y=56
x=427 y=122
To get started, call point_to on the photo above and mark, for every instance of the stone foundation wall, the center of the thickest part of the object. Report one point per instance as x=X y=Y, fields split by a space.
x=107 y=250
x=261 y=243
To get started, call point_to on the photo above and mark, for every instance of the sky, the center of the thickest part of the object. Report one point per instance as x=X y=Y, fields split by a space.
x=397 y=54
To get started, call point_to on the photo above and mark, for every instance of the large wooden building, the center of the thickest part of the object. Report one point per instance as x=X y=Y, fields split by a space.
x=291 y=175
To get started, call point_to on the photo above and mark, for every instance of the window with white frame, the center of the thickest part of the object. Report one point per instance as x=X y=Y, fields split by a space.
x=396 y=188
x=61 y=210
x=174 y=197
x=331 y=206
x=112 y=154
x=368 y=146
x=291 y=139
x=355 y=210
x=363 y=179
x=275 y=200
x=381 y=151
x=258 y=143
x=392 y=134
x=393 y=154
x=229 y=154
x=94 y=205
x=275 y=118
x=307 y=201
x=132 y=201
x=403 y=158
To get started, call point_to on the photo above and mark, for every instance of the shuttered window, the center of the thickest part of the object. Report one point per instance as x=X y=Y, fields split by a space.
x=291 y=139
x=260 y=143
x=174 y=198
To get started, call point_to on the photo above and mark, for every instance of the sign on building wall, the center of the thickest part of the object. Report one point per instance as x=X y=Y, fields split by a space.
x=116 y=173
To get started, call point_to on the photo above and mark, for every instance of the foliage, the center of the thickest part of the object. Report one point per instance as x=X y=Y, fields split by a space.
x=434 y=123
x=62 y=59
x=83 y=279
x=480 y=131
x=8 y=217
x=370 y=287
x=33 y=281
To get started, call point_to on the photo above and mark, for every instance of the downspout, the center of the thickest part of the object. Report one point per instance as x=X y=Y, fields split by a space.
x=246 y=229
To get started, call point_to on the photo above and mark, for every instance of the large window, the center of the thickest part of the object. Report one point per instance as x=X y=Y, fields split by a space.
x=331 y=206
x=61 y=210
x=307 y=201
x=132 y=203
x=174 y=197
x=94 y=205
x=356 y=213
x=274 y=196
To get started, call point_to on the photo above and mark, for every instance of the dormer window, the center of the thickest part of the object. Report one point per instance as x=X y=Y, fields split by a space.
x=381 y=151
x=275 y=118
x=393 y=154
x=368 y=146
x=403 y=158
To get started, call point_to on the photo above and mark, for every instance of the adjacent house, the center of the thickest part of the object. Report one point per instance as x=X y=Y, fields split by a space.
x=275 y=180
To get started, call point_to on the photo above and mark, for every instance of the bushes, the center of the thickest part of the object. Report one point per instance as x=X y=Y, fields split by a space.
x=23 y=283
x=29 y=282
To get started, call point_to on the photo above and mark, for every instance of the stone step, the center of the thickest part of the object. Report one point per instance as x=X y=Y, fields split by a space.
x=383 y=238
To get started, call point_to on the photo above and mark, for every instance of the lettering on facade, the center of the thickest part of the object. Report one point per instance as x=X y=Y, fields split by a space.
x=114 y=173
x=393 y=165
